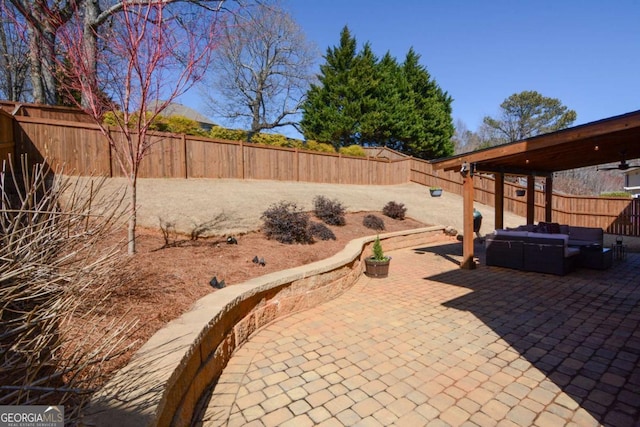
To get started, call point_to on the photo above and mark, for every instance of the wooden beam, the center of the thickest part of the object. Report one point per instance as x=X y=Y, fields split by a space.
x=499 y=200
x=567 y=137
x=467 y=233
x=548 y=198
x=531 y=199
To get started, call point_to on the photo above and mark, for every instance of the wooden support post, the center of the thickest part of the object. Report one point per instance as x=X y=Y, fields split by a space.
x=467 y=242
x=499 y=201
x=548 y=198
x=531 y=199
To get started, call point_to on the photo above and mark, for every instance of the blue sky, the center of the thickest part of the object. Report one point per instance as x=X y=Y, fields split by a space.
x=585 y=53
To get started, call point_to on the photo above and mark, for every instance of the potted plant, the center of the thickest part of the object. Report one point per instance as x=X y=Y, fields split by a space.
x=377 y=265
x=435 y=191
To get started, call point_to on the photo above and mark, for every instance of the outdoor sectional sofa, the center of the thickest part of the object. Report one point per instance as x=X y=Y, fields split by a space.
x=534 y=248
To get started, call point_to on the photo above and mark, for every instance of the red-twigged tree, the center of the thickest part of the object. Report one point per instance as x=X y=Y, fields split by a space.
x=147 y=58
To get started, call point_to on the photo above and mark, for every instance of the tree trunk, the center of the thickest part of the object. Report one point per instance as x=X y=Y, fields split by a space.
x=36 y=66
x=90 y=46
x=41 y=54
x=131 y=231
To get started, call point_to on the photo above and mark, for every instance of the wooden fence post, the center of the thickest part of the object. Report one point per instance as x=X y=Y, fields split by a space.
x=186 y=160
x=242 y=166
x=110 y=154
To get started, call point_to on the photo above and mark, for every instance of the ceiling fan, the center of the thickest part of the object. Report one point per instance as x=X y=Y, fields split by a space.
x=623 y=165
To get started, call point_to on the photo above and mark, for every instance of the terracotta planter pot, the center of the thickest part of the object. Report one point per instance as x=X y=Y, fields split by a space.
x=378 y=269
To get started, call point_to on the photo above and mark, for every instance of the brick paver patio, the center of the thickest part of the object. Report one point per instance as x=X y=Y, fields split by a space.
x=435 y=345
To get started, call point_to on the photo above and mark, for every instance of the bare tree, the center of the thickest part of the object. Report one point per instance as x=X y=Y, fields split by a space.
x=44 y=19
x=14 y=55
x=464 y=140
x=262 y=70
x=588 y=181
x=95 y=16
x=147 y=60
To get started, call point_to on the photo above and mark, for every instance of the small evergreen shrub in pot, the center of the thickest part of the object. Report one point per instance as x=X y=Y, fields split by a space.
x=377 y=265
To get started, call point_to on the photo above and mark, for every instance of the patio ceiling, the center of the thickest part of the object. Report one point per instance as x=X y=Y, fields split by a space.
x=595 y=143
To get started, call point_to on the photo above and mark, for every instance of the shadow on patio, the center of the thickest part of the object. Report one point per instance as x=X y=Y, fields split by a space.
x=581 y=330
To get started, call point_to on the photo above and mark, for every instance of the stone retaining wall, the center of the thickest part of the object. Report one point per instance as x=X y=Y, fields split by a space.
x=166 y=378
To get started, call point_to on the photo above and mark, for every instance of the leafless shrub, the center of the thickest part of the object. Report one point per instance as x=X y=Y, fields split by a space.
x=172 y=238
x=202 y=229
x=169 y=234
x=53 y=274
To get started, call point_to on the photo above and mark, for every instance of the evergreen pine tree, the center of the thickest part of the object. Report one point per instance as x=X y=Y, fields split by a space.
x=362 y=100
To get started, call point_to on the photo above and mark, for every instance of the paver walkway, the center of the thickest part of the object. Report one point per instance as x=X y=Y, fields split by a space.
x=435 y=345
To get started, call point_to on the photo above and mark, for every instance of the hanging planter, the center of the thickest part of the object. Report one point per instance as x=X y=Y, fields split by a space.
x=520 y=193
x=435 y=191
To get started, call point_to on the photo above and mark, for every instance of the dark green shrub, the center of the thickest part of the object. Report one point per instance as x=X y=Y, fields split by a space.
x=286 y=223
x=321 y=231
x=329 y=211
x=394 y=210
x=373 y=222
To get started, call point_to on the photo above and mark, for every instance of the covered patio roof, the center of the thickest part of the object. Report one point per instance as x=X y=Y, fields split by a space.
x=604 y=141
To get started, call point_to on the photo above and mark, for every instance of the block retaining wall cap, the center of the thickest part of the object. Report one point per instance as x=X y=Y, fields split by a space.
x=157 y=387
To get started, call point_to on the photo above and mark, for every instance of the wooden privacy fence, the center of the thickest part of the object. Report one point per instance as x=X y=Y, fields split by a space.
x=56 y=134
x=616 y=215
x=83 y=150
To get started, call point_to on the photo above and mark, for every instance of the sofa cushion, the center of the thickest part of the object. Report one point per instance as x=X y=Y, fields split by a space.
x=571 y=251
x=592 y=234
x=511 y=233
x=549 y=227
x=563 y=237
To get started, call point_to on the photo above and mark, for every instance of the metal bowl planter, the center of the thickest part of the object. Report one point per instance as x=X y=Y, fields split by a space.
x=435 y=191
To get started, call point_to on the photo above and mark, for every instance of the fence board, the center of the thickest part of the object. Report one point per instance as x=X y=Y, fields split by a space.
x=213 y=159
x=355 y=170
x=53 y=112
x=318 y=167
x=7 y=142
x=264 y=162
x=80 y=148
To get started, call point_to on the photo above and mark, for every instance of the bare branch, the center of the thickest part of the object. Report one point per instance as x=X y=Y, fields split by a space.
x=52 y=273
x=261 y=70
